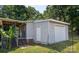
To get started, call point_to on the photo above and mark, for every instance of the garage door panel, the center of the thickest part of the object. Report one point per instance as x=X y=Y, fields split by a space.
x=60 y=33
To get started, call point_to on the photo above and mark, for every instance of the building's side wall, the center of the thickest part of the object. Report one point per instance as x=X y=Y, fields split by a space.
x=44 y=32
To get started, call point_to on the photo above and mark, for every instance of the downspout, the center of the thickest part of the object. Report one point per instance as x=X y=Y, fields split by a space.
x=48 y=34
x=54 y=33
x=33 y=31
x=26 y=30
x=33 y=22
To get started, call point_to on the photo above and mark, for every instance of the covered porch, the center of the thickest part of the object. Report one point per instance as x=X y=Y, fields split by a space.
x=20 y=30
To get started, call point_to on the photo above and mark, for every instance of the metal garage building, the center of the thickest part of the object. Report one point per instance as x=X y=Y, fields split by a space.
x=47 y=31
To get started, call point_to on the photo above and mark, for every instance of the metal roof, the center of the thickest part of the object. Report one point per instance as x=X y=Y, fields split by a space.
x=49 y=20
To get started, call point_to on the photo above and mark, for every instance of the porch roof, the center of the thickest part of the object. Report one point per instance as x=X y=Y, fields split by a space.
x=12 y=20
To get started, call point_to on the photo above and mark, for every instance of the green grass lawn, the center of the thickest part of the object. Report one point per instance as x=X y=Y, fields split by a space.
x=33 y=49
x=74 y=48
x=61 y=47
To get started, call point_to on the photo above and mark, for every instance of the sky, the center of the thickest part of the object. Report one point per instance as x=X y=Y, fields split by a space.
x=40 y=8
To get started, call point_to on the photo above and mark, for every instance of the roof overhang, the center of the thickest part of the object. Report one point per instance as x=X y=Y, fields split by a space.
x=60 y=22
x=11 y=20
x=52 y=20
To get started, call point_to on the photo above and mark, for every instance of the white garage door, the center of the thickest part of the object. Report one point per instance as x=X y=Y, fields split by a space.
x=60 y=33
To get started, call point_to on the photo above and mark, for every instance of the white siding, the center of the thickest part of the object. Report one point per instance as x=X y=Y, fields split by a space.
x=44 y=32
x=51 y=33
x=29 y=30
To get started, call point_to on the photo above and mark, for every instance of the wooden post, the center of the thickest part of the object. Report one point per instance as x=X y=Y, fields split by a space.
x=15 y=35
x=1 y=35
x=0 y=22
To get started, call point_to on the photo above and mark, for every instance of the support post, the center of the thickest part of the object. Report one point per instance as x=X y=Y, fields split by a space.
x=15 y=34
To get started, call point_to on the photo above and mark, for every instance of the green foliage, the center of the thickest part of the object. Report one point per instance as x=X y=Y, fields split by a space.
x=10 y=35
x=3 y=33
x=20 y=12
x=56 y=12
x=14 y=12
